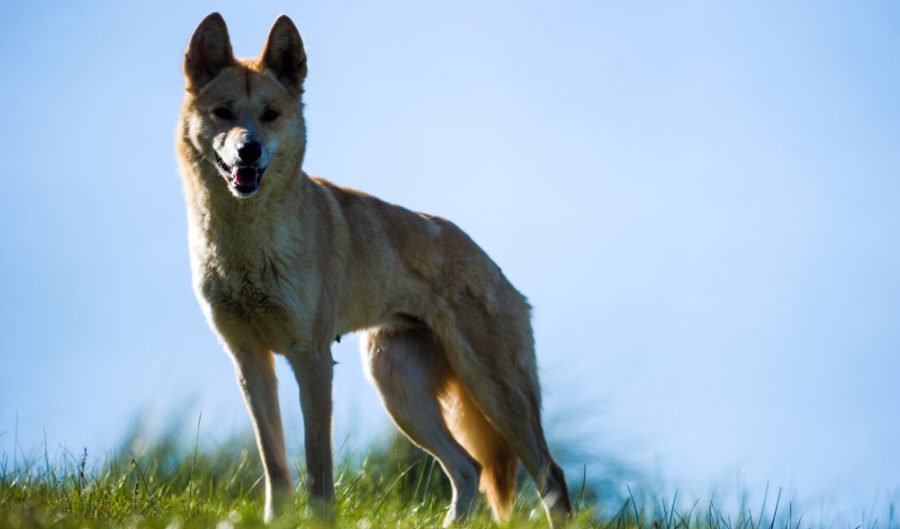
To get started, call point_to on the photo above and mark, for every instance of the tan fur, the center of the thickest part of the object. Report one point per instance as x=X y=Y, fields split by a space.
x=297 y=261
x=471 y=428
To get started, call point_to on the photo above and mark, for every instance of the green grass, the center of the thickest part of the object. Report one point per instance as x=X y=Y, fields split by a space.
x=172 y=484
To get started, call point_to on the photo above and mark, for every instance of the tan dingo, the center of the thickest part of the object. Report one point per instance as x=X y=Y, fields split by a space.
x=285 y=262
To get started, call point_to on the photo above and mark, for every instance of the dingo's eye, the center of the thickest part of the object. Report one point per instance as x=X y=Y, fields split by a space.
x=223 y=113
x=270 y=115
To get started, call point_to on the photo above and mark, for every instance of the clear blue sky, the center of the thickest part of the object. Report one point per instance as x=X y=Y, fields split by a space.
x=702 y=201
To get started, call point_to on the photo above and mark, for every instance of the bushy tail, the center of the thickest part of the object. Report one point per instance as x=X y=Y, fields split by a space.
x=498 y=462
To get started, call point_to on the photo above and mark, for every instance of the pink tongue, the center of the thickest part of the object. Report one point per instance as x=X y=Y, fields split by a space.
x=245 y=176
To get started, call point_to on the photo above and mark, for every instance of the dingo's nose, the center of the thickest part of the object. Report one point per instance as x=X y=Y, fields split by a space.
x=249 y=152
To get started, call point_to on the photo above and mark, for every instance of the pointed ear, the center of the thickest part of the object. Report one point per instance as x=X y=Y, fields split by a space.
x=208 y=52
x=284 y=55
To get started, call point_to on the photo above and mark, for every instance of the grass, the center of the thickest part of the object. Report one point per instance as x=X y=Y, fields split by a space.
x=172 y=484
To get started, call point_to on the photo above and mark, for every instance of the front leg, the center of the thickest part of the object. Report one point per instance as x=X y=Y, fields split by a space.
x=256 y=377
x=314 y=372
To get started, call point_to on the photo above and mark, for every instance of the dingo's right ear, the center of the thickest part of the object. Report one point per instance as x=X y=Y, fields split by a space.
x=208 y=52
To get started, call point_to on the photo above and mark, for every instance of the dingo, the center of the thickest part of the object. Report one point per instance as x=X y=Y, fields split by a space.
x=285 y=262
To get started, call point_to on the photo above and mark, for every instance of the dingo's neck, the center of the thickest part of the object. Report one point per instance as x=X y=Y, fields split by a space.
x=221 y=223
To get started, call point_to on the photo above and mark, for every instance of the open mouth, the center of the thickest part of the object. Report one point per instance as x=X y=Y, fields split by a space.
x=243 y=179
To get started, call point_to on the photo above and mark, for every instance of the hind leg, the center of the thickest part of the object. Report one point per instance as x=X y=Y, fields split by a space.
x=407 y=367
x=519 y=421
x=504 y=386
x=517 y=418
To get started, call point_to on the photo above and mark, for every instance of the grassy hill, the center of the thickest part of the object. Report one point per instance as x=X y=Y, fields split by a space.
x=173 y=484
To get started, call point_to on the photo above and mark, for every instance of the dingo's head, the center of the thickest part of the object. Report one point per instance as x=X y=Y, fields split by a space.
x=244 y=118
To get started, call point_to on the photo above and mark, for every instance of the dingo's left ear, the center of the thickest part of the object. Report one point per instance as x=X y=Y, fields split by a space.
x=284 y=54
x=208 y=52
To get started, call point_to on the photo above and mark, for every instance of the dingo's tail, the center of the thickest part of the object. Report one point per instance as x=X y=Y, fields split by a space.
x=482 y=441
